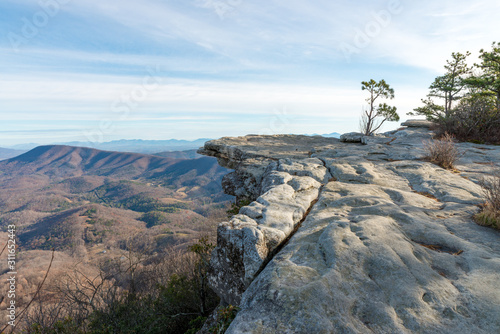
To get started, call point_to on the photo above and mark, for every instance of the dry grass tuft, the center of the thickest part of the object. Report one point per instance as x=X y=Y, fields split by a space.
x=490 y=215
x=488 y=218
x=443 y=152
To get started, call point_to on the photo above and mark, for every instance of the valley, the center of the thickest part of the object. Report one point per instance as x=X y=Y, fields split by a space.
x=94 y=206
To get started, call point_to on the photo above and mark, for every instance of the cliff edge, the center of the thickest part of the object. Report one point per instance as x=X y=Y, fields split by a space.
x=355 y=237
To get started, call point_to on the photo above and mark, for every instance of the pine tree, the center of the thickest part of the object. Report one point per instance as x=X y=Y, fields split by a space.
x=369 y=122
x=450 y=87
x=488 y=82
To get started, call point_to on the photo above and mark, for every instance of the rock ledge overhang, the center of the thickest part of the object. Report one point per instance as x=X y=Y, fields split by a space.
x=386 y=241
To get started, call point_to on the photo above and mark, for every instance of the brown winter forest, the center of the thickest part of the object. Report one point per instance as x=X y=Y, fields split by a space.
x=102 y=214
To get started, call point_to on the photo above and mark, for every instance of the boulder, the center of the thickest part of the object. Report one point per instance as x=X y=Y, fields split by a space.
x=352 y=137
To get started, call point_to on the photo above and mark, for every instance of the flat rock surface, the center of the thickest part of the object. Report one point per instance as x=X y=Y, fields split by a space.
x=387 y=245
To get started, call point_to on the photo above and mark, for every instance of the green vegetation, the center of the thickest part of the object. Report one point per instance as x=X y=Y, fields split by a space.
x=468 y=108
x=449 y=87
x=55 y=231
x=66 y=325
x=470 y=98
x=373 y=117
x=132 y=301
x=145 y=203
x=236 y=206
x=95 y=235
x=171 y=310
x=154 y=218
x=487 y=83
x=90 y=212
x=225 y=316
x=123 y=194
x=77 y=185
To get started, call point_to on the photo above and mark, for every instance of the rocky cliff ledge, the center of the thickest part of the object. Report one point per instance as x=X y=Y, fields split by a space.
x=356 y=238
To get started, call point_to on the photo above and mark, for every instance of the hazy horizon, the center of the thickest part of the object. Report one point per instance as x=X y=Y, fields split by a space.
x=26 y=145
x=76 y=70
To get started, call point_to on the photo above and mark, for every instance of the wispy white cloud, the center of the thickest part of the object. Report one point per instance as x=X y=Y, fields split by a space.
x=260 y=57
x=58 y=92
x=426 y=33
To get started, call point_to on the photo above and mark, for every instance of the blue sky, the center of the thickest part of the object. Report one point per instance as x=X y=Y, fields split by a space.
x=157 y=69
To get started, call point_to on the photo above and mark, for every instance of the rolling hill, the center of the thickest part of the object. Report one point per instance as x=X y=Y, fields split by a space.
x=58 y=161
x=68 y=161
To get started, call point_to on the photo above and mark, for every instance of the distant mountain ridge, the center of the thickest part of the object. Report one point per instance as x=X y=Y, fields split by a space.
x=69 y=161
x=328 y=135
x=65 y=161
x=134 y=145
x=143 y=146
x=7 y=153
x=129 y=145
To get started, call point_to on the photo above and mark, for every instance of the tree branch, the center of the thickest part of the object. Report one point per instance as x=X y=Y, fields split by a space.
x=39 y=288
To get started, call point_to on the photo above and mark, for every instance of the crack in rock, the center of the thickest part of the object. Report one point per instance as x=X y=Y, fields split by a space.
x=251 y=238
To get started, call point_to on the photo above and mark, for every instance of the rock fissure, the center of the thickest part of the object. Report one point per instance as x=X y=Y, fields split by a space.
x=288 y=190
x=285 y=242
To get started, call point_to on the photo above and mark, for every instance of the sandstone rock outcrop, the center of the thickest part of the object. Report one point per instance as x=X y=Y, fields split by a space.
x=353 y=238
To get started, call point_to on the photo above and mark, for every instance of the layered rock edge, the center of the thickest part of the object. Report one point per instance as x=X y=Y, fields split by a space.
x=386 y=242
